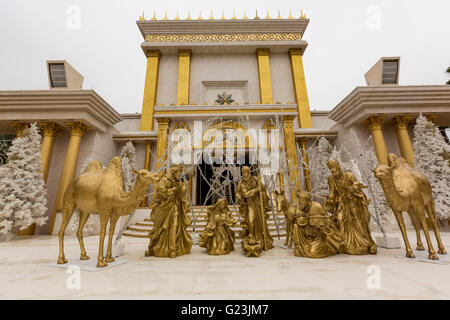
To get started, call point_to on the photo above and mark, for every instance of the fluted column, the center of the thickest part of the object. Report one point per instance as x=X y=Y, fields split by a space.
x=301 y=94
x=184 y=65
x=151 y=85
x=400 y=124
x=77 y=130
x=49 y=131
x=375 y=123
x=161 y=144
x=265 y=83
x=305 y=165
x=148 y=147
x=291 y=152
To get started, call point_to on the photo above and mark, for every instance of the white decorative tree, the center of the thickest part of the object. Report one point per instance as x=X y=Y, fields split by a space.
x=320 y=155
x=429 y=148
x=128 y=156
x=22 y=188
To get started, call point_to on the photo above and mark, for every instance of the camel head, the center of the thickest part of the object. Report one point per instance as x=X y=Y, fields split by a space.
x=145 y=177
x=382 y=172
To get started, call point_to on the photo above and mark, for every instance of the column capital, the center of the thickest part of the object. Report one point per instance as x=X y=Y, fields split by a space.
x=374 y=122
x=295 y=52
x=401 y=122
x=153 y=53
x=19 y=127
x=77 y=128
x=262 y=51
x=163 y=122
x=288 y=119
x=184 y=52
x=49 y=129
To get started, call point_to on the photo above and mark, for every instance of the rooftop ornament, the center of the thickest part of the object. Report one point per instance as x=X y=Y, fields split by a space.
x=211 y=17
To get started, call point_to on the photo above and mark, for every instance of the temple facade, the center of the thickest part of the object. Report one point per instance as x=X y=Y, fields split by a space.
x=230 y=75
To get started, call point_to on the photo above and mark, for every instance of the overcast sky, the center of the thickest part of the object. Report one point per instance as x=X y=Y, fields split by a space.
x=345 y=39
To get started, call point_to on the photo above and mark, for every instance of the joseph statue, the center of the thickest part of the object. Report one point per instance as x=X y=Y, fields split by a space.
x=169 y=237
x=253 y=207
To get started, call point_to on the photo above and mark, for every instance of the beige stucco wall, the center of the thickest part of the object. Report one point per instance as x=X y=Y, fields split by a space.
x=225 y=68
x=281 y=76
x=167 y=80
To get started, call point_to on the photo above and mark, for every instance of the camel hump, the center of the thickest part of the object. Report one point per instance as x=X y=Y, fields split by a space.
x=115 y=167
x=93 y=165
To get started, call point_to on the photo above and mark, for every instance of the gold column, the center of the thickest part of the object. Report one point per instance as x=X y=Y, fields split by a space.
x=374 y=123
x=19 y=127
x=148 y=147
x=291 y=151
x=400 y=124
x=305 y=165
x=184 y=65
x=161 y=144
x=301 y=94
x=77 y=130
x=49 y=131
x=151 y=85
x=265 y=83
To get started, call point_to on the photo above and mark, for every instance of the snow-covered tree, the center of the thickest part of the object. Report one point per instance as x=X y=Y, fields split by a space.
x=128 y=156
x=320 y=155
x=22 y=188
x=429 y=149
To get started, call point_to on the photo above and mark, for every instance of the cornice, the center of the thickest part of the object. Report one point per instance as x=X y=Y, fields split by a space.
x=363 y=102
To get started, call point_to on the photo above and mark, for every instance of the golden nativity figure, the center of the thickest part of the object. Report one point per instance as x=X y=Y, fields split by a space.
x=253 y=209
x=169 y=237
x=218 y=237
x=315 y=234
x=348 y=205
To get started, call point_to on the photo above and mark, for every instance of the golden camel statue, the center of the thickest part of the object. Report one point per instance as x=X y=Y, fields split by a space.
x=98 y=191
x=288 y=210
x=406 y=189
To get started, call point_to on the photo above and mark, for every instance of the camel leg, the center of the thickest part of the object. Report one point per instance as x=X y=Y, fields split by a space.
x=69 y=207
x=416 y=224
x=401 y=224
x=112 y=226
x=103 y=221
x=432 y=214
x=431 y=253
x=83 y=219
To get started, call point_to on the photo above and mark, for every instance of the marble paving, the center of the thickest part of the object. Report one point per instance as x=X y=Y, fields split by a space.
x=277 y=274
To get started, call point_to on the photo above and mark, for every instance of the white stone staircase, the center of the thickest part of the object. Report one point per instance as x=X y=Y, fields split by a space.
x=139 y=228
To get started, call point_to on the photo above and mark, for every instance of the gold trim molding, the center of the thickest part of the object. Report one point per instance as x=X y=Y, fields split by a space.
x=223 y=37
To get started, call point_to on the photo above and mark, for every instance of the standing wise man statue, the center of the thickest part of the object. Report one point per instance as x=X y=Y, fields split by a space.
x=348 y=204
x=253 y=207
x=169 y=237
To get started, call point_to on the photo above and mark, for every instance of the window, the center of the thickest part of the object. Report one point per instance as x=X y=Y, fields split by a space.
x=57 y=75
x=390 y=71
